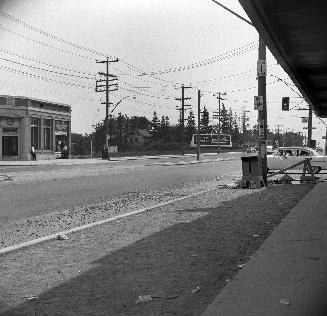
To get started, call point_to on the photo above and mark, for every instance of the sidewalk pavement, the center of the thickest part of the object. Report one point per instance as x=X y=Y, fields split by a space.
x=67 y=162
x=288 y=274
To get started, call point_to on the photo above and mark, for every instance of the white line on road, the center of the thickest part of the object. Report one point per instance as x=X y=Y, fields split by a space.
x=111 y=219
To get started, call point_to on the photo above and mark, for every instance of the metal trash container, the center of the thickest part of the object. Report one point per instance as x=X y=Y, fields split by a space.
x=252 y=170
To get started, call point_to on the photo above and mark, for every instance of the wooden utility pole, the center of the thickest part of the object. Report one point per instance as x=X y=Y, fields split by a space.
x=219 y=127
x=262 y=114
x=278 y=128
x=105 y=83
x=198 y=134
x=182 y=109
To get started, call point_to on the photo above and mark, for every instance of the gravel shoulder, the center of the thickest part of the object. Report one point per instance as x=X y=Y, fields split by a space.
x=181 y=254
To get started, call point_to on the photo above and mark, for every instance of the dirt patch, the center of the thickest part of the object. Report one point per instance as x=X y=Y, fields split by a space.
x=181 y=254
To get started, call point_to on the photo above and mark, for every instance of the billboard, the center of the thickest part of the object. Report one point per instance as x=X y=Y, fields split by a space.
x=211 y=140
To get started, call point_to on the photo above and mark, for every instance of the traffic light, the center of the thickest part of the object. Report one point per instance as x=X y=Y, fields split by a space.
x=285 y=104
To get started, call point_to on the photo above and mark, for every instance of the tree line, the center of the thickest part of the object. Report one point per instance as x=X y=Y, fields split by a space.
x=139 y=134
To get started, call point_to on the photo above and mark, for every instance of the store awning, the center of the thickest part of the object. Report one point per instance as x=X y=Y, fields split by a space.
x=295 y=31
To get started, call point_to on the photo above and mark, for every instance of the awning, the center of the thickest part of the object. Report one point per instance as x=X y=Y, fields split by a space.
x=295 y=31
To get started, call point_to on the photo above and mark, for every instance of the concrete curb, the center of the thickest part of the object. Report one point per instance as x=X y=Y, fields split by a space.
x=287 y=274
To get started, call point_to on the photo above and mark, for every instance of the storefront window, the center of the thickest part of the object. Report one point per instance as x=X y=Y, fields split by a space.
x=47 y=134
x=35 y=132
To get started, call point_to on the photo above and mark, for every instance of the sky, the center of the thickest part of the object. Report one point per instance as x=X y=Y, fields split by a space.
x=49 y=49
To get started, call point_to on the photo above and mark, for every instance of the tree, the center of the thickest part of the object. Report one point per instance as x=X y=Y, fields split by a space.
x=164 y=133
x=98 y=135
x=155 y=126
x=236 y=137
x=190 y=127
x=204 y=123
x=224 y=120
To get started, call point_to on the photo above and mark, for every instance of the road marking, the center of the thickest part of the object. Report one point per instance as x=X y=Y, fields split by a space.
x=111 y=219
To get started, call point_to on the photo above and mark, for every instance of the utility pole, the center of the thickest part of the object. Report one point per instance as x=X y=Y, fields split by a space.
x=219 y=99
x=198 y=134
x=183 y=113
x=230 y=121
x=262 y=113
x=105 y=83
x=244 y=124
x=309 y=143
x=278 y=126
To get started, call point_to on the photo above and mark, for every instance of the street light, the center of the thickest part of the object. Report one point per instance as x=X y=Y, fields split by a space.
x=110 y=114
x=120 y=102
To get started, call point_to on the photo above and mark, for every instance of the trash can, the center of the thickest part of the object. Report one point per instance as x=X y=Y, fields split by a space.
x=252 y=172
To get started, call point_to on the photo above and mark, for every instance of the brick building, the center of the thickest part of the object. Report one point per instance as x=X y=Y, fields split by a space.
x=25 y=122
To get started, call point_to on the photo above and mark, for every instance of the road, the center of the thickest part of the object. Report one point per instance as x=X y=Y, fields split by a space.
x=45 y=189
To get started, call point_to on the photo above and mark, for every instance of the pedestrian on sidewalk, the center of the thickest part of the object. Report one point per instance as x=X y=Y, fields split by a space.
x=65 y=152
x=107 y=153
x=33 y=153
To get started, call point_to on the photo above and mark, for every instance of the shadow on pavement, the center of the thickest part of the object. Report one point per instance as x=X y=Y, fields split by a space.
x=168 y=264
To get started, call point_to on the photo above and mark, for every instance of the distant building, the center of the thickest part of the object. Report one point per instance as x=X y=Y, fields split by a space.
x=27 y=122
x=140 y=137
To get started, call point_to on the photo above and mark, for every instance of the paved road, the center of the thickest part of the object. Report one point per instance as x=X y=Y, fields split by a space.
x=62 y=187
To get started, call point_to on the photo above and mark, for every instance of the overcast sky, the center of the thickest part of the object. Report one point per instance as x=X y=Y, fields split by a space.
x=49 y=48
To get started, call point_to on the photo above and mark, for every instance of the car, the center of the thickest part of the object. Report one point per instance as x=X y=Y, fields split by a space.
x=284 y=157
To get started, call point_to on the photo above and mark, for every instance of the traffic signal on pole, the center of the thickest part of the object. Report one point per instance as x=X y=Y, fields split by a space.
x=285 y=104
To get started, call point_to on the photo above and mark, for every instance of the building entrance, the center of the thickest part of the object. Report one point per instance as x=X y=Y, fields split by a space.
x=10 y=146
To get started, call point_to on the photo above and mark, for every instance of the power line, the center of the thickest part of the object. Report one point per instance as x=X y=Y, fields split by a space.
x=33 y=28
x=45 y=44
x=27 y=74
x=43 y=63
x=227 y=55
x=43 y=69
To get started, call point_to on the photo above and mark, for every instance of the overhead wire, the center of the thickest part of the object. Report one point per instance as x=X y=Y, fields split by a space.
x=44 y=44
x=44 y=63
x=16 y=20
x=24 y=73
x=47 y=70
x=227 y=55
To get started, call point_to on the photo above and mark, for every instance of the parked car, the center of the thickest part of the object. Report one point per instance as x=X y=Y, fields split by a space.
x=284 y=157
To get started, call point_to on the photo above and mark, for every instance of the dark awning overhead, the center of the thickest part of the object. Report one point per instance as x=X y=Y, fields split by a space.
x=295 y=31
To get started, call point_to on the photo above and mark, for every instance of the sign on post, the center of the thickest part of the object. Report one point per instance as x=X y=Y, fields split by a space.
x=258 y=102
x=261 y=68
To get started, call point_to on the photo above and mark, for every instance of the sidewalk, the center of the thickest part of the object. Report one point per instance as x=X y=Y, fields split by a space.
x=288 y=274
x=67 y=162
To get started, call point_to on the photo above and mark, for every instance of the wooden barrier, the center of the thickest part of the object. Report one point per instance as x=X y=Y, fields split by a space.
x=306 y=168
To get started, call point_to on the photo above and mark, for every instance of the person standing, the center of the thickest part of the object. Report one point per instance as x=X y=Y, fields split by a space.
x=33 y=153
x=65 y=151
x=107 y=153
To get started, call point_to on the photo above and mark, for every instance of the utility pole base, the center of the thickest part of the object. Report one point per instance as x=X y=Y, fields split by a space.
x=252 y=170
x=252 y=182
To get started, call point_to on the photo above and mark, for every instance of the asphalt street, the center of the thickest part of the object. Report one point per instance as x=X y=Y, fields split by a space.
x=62 y=187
